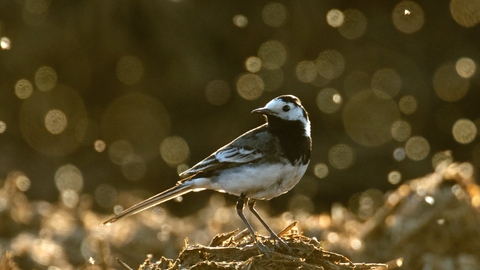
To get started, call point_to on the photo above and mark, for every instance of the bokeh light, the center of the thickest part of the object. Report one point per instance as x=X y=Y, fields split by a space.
x=368 y=118
x=330 y=64
x=394 y=177
x=335 y=18
x=408 y=17
x=386 y=83
x=99 y=145
x=240 y=20
x=306 y=71
x=182 y=167
x=354 y=24
x=464 y=131
x=401 y=130
x=465 y=12
x=273 y=54
x=69 y=198
x=417 y=148
x=365 y=204
x=5 y=43
x=448 y=85
x=217 y=92
x=399 y=154
x=119 y=150
x=69 y=177
x=274 y=14
x=465 y=67
x=407 y=104
x=133 y=167
x=23 y=89
x=329 y=100
x=300 y=204
x=253 y=64
x=22 y=182
x=3 y=127
x=129 y=69
x=250 y=86
x=440 y=157
x=341 y=156
x=45 y=78
x=320 y=170
x=55 y=121
x=47 y=252
x=48 y=120
x=174 y=150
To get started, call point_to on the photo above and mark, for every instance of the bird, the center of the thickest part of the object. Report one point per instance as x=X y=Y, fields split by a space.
x=261 y=164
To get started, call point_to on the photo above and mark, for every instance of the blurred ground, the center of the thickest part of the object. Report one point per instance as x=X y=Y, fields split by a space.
x=426 y=223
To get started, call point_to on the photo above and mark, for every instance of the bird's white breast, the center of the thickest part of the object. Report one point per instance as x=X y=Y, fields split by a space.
x=262 y=182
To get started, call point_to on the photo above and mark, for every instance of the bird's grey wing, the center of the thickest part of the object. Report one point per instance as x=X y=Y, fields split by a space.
x=244 y=149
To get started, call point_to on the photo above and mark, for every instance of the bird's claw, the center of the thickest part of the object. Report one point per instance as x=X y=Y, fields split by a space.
x=263 y=249
x=282 y=243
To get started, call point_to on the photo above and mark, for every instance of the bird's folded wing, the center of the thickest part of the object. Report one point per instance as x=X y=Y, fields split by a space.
x=229 y=156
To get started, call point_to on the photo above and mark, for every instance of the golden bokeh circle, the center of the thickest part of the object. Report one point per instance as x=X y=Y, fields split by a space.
x=217 y=92
x=45 y=78
x=335 y=18
x=407 y=104
x=354 y=24
x=465 y=12
x=329 y=100
x=174 y=150
x=48 y=120
x=23 y=89
x=330 y=64
x=341 y=156
x=417 y=148
x=408 y=17
x=250 y=86
x=274 y=14
x=448 y=85
x=464 y=131
x=273 y=54
x=368 y=118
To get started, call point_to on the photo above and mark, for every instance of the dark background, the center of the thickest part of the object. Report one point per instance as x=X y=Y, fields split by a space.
x=182 y=47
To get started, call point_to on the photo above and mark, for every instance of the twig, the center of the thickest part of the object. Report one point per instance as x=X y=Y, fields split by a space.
x=123 y=264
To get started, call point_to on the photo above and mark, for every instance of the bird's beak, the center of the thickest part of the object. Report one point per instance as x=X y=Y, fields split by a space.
x=262 y=111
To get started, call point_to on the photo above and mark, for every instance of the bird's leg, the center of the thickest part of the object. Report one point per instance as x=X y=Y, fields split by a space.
x=251 y=206
x=240 y=206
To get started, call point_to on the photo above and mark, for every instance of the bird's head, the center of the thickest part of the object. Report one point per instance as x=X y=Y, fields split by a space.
x=286 y=107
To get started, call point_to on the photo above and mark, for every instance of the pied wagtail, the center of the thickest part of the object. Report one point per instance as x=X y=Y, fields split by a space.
x=261 y=164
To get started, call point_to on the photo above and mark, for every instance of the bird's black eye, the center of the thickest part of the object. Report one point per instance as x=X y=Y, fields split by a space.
x=286 y=108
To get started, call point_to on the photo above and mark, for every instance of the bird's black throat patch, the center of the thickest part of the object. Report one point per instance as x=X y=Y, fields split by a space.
x=291 y=134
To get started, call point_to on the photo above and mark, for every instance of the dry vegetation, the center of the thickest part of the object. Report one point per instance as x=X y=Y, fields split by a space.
x=426 y=223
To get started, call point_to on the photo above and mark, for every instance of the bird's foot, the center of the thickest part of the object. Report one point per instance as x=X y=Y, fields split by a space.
x=263 y=249
x=282 y=243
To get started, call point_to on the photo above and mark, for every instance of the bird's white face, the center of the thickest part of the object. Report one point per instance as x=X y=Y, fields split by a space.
x=287 y=108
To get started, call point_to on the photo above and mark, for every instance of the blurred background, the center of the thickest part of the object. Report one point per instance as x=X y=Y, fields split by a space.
x=103 y=103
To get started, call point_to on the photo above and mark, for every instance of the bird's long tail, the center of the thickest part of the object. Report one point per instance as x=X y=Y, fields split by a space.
x=164 y=196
